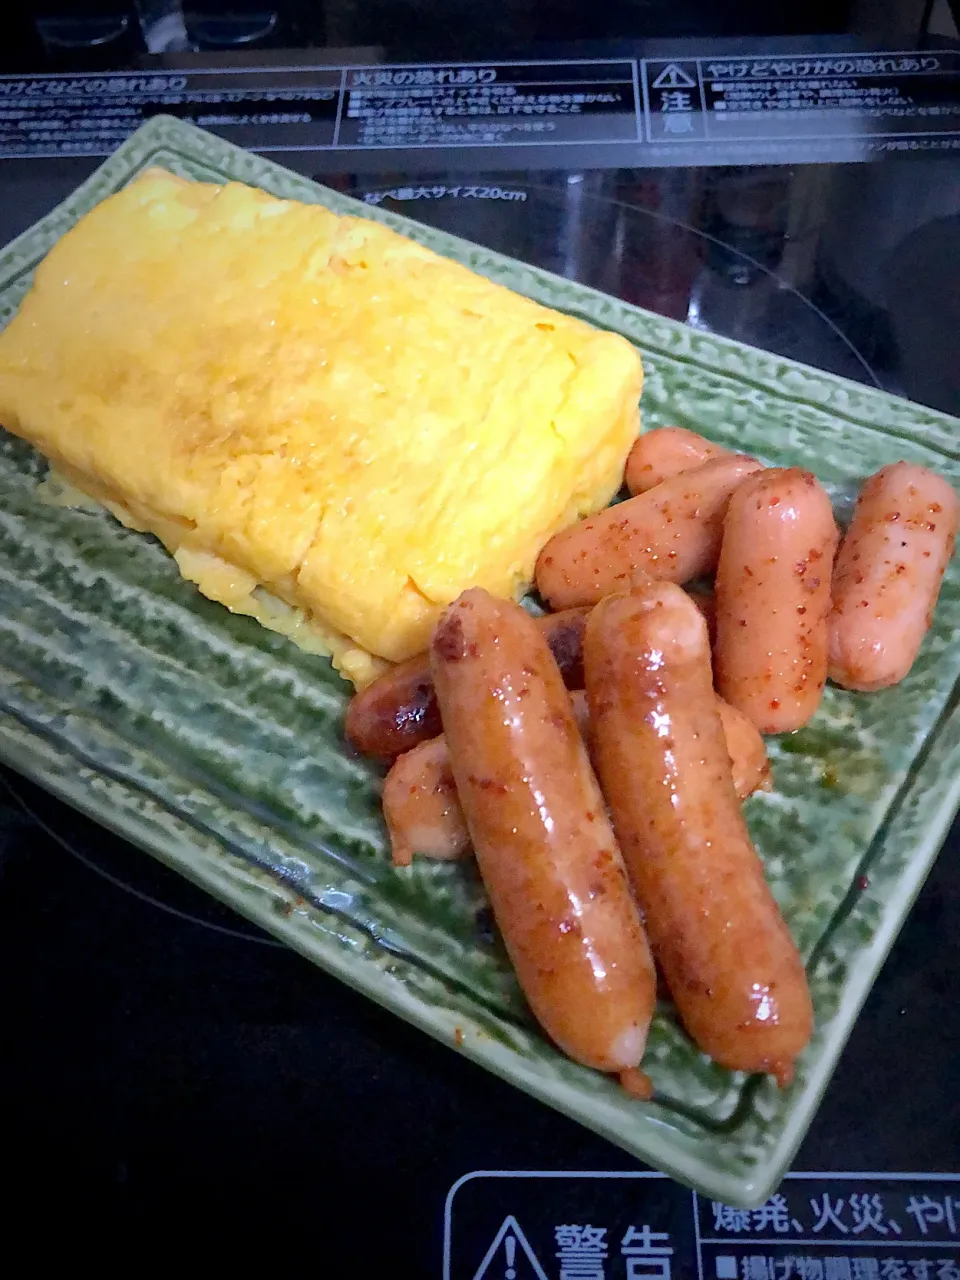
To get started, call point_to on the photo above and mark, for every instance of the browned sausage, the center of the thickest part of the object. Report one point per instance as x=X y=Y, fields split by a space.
x=887 y=577
x=773 y=597
x=543 y=842
x=748 y=755
x=399 y=710
x=664 y=452
x=395 y=712
x=422 y=809
x=420 y=802
x=726 y=953
x=671 y=532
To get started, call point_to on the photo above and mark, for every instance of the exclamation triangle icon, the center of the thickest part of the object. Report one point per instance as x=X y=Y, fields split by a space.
x=500 y=1260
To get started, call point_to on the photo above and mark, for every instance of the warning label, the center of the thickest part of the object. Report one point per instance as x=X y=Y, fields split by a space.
x=510 y=1256
x=493 y=104
x=93 y=114
x=643 y=1226
x=893 y=102
x=627 y=112
x=820 y=96
x=674 y=100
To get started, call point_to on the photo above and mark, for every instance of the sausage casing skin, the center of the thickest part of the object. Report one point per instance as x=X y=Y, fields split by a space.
x=664 y=452
x=728 y=958
x=706 y=602
x=544 y=845
x=888 y=573
x=772 y=599
x=671 y=532
x=398 y=711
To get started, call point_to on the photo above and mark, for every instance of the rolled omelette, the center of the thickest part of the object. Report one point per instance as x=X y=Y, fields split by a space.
x=331 y=427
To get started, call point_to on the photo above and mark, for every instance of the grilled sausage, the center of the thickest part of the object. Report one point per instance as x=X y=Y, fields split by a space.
x=664 y=452
x=423 y=812
x=420 y=802
x=773 y=596
x=888 y=574
x=399 y=710
x=728 y=958
x=671 y=532
x=543 y=842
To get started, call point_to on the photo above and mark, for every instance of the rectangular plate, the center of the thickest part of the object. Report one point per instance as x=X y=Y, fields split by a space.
x=217 y=746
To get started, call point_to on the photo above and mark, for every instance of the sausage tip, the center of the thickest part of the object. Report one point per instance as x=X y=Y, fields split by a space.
x=637 y=1083
x=782 y=1072
x=401 y=854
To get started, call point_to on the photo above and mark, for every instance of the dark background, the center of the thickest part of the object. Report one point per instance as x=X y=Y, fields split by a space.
x=169 y=1075
x=71 y=34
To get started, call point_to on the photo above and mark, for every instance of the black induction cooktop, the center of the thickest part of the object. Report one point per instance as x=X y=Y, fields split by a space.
x=168 y=1066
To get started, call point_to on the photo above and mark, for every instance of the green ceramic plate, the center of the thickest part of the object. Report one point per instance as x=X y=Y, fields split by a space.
x=217 y=746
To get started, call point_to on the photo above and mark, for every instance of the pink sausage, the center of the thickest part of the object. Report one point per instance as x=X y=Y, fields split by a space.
x=888 y=574
x=671 y=532
x=773 y=596
x=421 y=807
x=665 y=452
